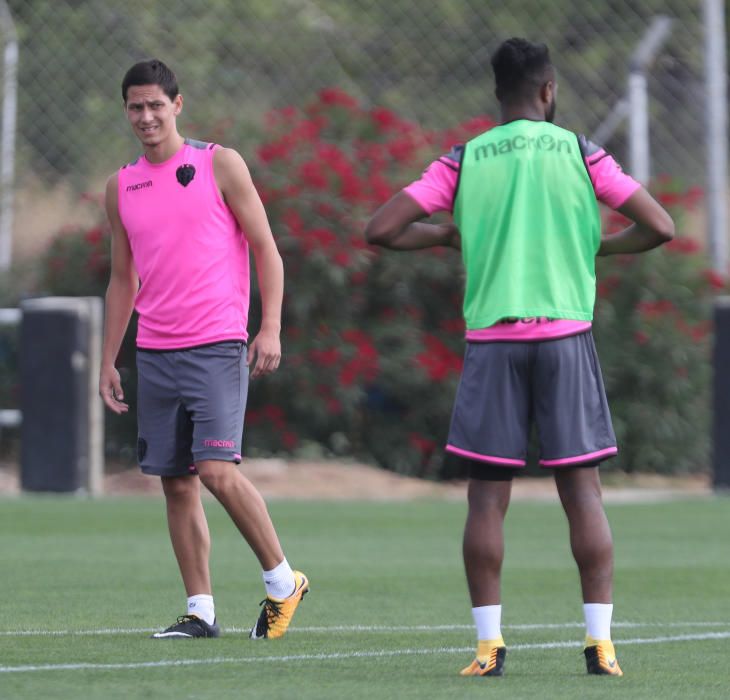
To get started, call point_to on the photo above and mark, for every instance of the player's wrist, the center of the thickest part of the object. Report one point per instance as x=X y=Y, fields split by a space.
x=270 y=326
x=107 y=366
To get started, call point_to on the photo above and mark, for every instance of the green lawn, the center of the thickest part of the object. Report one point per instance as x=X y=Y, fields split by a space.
x=84 y=582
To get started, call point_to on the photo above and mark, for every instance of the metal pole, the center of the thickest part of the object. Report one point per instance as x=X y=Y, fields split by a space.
x=716 y=128
x=639 y=126
x=638 y=97
x=7 y=138
x=96 y=409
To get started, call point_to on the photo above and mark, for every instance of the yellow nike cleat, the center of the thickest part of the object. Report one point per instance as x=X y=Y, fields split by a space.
x=277 y=613
x=489 y=660
x=601 y=658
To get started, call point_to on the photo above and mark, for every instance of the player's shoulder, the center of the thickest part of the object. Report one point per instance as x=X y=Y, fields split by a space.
x=111 y=196
x=230 y=168
x=112 y=185
x=227 y=157
x=200 y=145
x=131 y=164
x=591 y=151
x=453 y=158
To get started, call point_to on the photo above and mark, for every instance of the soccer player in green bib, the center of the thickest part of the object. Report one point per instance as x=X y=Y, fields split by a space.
x=524 y=201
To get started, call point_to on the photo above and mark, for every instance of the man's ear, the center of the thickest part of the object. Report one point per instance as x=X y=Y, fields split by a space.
x=547 y=92
x=178 y=102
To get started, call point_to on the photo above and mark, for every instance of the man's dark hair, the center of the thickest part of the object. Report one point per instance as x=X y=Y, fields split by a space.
x=521 y=68
x=152 y=72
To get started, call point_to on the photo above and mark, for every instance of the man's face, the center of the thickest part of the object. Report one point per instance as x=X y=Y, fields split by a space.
x=151 y=113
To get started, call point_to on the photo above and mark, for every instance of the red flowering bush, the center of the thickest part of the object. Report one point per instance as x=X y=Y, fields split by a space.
x=373 y=340
x=77 y=262
x=368 y=368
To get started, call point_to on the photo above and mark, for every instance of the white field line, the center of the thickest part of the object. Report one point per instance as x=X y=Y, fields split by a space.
x=338 y=656
x=359 y=628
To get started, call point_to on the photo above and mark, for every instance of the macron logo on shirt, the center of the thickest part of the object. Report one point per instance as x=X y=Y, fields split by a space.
x=139 y=186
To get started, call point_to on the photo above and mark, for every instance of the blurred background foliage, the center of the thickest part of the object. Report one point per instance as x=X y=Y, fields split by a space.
x=373 y=340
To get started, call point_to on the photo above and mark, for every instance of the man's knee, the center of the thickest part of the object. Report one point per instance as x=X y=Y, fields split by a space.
x=489 y=496
x=579 y=485
x=217 y=476
x=177 y=488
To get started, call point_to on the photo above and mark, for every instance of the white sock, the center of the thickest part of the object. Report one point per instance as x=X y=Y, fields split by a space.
x=279 y=581
x=202 y=605
x=598 y=619
x=488 y=619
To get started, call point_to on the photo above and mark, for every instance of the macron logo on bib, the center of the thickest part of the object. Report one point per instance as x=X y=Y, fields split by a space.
x=544 y=142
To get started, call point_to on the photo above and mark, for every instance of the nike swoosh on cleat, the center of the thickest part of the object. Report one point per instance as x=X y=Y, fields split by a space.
x=611 y=663
x=301 y=585
x=160 y=635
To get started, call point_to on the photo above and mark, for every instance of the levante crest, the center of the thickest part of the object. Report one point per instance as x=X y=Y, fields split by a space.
x=185 y=174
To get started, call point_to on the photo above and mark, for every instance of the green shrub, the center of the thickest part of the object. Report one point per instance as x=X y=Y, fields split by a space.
x=653 y=332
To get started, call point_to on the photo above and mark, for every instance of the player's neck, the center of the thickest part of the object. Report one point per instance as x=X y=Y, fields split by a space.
x=164 y=150
x=511 y=113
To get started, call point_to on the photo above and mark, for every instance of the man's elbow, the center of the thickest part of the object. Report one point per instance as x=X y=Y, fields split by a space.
x=123 y=283
x=664 y=228
x=376 y=233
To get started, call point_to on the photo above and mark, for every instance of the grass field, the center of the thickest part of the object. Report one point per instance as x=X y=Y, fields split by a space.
x=84 y=582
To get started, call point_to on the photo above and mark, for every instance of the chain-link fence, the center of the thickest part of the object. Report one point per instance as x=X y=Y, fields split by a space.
x=236 y=61
x=430 y=61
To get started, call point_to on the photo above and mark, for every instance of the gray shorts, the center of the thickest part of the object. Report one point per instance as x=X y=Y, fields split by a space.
x=556 y=383
x=190 y=406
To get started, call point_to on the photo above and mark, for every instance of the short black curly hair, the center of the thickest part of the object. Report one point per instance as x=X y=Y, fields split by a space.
x=520 y=69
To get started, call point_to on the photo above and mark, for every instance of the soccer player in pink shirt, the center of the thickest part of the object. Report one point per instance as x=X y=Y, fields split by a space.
x=524 y=200
x=184 y=216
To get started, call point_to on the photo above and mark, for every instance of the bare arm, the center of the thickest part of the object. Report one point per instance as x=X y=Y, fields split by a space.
x=396 y=225
x=241 y=196
x=651 y=228
x=120 y=295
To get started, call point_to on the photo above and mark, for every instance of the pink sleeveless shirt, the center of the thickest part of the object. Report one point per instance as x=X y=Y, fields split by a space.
x=189 y=252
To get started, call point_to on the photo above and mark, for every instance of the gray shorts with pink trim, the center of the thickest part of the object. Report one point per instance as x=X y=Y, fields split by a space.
x=505 y=386
x=190 y=406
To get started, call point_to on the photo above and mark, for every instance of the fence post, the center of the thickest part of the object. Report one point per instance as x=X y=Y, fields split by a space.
x=716 y=130
x=62 y=427
x=8 y=133
x=638 y=96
